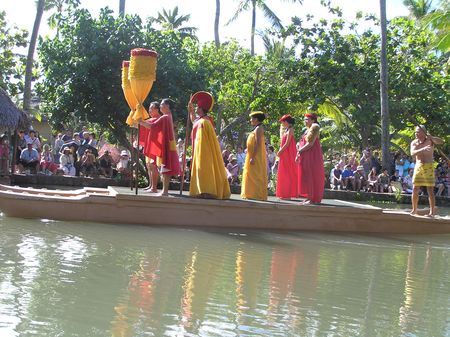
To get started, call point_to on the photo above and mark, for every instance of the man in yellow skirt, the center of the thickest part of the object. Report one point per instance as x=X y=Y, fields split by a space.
x=422 y=148
x=208 y=173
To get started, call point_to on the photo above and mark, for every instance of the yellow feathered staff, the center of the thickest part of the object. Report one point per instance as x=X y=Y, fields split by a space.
x=142 y=74
x=128 y=93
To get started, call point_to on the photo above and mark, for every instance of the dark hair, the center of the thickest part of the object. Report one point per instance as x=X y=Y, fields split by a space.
x=169 y=102
x=290 y=120
x=260 y=117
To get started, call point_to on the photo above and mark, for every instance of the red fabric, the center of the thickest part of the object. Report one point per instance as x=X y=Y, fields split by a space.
x=287 y=170
x=162 y=147
x=148 y=138
x=143 y=52
x=195 y=127
x=311 y=173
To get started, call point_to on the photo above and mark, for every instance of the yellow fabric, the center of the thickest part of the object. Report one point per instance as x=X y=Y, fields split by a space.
x=208 y=174
x=129 y=95
x=142 y=74
x=424 y=174
x=254 y=180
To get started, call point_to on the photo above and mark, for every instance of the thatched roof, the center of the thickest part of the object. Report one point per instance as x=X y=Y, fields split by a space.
x=10 y=116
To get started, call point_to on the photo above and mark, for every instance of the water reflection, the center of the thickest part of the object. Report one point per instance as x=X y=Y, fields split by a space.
x=72 y=279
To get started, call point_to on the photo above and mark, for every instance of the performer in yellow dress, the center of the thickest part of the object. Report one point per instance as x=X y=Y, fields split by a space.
x=254 y=180
x=208 y=174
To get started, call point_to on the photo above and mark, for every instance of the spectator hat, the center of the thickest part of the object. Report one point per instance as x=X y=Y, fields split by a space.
x=360 y=168
x=124 y=153
x=66 y=149
x=287 y=118
x=29 y=142
x=231 y=157
x=204 y=100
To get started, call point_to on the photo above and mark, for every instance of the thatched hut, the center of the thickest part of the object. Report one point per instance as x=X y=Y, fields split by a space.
x=11 y=117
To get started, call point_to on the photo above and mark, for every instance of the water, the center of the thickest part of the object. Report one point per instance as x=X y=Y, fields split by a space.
x=86 y=279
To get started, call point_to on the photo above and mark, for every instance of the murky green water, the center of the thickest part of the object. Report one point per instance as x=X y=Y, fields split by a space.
x=71 y=279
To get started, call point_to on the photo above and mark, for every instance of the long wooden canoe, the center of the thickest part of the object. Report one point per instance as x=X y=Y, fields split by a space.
x=116 y=205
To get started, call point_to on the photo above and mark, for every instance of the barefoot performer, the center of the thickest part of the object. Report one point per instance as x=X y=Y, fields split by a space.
x=422 y=148
x=208 y=173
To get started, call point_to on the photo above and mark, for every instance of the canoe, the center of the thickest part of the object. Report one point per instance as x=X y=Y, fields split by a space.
x=120 y=206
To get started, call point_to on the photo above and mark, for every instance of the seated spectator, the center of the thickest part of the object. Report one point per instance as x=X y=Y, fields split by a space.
x=335 y=177
x=67 y=163
x=407 y=182
x=440 y=184
x=88 y=164
x=225 y=155
x=29 y=158
x=360 y=179
x=233 y=170
x=347 y=178
x=372 y=181
x=4 y=155
x=383 y=181
x=105 y=161
x=123 y=167
x=48 y=165
x=396 y=182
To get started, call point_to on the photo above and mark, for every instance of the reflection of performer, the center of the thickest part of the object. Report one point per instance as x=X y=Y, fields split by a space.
x=148 y=138
x=311 y=173
x=208 y=174
x=166 y=152
x=254 y=178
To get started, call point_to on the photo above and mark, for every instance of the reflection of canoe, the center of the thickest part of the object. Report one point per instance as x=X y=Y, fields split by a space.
x=119 y=205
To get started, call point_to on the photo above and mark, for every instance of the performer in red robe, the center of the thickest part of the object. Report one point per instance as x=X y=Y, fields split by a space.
x=165 y=149
x=287 y=167
x=311 y=173
x=148 y=138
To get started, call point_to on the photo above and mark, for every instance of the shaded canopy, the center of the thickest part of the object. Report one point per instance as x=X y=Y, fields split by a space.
x=10 y=116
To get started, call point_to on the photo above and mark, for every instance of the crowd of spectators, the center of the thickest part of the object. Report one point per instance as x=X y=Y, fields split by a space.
x=366 y=174
x=72 y=154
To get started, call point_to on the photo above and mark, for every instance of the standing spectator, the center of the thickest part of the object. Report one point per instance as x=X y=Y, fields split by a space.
x=240 y=156
x=440 y=183
x=375 y=162
x=398 y=162
x=287 y=167
x=4 y=155
x=29 y=158
x=271 y=157
x=34 y=140
x=254 y=178
x=353 y=162
x=92 y=140
x=311 y=174
x=57 y=147
x=365 y=161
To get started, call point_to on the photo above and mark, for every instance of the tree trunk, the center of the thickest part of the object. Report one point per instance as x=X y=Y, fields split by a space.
x=216 y=24
x=386 y=160
x=252 y=38
x=30 y=57
x=122 y=8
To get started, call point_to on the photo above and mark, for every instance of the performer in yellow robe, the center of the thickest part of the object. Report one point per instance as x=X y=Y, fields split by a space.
x=208 y=174
x=254 y=180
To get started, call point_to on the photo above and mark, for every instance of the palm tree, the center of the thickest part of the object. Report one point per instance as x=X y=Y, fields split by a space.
x=30 y=56
x=170 y=20
x=440 y=21
x=268 y=13
x=121 y=8
x=386 y=160
x=418 y=8
x=216 y=24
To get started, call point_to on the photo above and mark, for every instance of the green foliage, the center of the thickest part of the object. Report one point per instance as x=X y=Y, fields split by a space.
x=12 y=64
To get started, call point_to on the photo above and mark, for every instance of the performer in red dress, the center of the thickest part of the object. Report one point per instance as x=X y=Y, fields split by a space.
x=287 y=167
x=165 y=150
x=148 y=138
x=311 y=173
